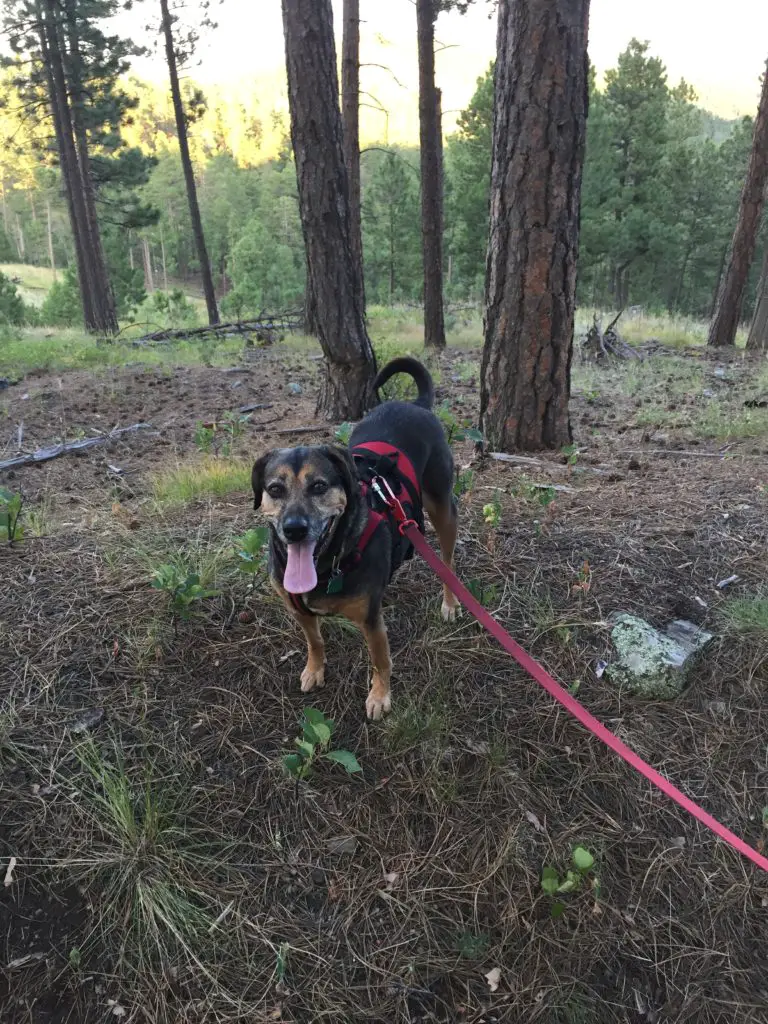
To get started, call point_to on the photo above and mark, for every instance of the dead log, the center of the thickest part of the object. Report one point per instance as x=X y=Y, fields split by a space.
x=46 y=454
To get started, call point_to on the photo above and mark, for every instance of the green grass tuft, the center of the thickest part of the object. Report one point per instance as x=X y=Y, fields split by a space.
x=747 y=615
x=210 y=477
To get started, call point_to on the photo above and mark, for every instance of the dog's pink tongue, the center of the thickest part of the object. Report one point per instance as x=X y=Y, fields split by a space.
x=300 y=574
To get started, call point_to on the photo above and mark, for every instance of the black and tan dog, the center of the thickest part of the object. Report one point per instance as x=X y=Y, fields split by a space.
x=330 y=552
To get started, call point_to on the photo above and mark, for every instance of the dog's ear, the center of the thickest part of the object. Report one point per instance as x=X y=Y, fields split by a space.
x=257 y=478
x=343 y=463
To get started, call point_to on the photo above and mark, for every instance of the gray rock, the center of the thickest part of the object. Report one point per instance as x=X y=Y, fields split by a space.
x=651 y=663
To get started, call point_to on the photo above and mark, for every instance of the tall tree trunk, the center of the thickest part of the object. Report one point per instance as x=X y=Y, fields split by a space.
x=163 y=257
x=105 y=310
x=335 y=275
x=21 y=248
x=186 y=163
x=430 y=135
x=149 y=278
x=57 y=98
x=350 y=112
x=49 y=225
x=757 y=340
x=538 y=149
x=730 y=294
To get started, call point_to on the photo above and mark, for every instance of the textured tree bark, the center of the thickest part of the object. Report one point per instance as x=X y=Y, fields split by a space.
x=149 y=277
x=334 y=274
x=57 y=97
x=103 y=296
x=49 y=236
x=350 y=112
x=730 y=292
x=186 y=163
x=538 y=150
x=430 y=142
x=757 y=339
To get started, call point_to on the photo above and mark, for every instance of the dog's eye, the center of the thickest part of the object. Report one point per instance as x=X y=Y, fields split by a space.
x=318 y=487
x=276 y=490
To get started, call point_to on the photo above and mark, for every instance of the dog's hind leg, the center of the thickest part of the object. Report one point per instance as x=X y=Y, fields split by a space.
x=444 y=518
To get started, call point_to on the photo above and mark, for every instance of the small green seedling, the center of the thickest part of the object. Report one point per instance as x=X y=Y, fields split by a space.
x=234 y=424
x=204 y=435
x=457 y=430
x=464 y=482
x=553 y=884
x=314 y=744
x=485 y=593
x=343 y=432
x=251 y=549
x=11 y=504
x=183 y=591
x=572 y=454
x=492 y=513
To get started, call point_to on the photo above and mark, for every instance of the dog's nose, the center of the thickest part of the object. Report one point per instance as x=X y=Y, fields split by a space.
x=295 y=528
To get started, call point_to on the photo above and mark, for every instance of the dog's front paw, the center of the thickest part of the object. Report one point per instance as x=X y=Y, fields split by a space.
x=378 y=704
x=312 y=678
x=450 y=612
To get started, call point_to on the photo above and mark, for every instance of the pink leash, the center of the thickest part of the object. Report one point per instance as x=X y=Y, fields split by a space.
x=543 y=678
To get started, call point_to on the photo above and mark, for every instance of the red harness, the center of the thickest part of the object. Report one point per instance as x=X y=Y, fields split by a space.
x=389 y=479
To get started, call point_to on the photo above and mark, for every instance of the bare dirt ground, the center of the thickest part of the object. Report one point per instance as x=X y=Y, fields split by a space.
x=167 y=870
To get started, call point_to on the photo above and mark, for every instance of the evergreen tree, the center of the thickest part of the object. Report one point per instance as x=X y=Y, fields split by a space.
x=391 y=218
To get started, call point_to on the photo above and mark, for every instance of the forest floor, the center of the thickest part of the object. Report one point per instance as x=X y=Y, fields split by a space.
x=165 y=869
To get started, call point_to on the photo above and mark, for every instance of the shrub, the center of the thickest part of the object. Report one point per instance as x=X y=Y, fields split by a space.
x=12 y=308
x=62 y=304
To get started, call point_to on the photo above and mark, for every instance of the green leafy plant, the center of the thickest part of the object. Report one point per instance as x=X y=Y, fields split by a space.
x=552 y=883
x=315 y=744
x=492 y=512
x=234 y=424
x=485 y=593
x=251 y=549
x=457 y=430
x=184 y=591
x=11 y=504
x=204 y=436
x=225 y=431
x=343 y=432
x=464 y=481
x=572 y=453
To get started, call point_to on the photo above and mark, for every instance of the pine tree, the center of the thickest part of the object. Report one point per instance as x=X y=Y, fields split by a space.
x=175 y=55
x=538 y=147
x=334 y=273
x=68 y=70
x=730 y=294
x=430 y=144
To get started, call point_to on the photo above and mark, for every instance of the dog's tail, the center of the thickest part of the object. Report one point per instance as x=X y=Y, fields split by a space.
x=406 y=364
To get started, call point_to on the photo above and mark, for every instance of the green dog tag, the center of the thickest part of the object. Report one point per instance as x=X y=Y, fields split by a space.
x=335 y=584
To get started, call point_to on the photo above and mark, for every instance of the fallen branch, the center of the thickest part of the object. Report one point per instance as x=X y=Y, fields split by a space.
x=267 y=326
x=304 y=430
x=518 y=460
x=46 y=454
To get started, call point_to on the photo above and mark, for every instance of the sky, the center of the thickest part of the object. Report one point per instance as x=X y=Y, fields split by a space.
x=719 y=48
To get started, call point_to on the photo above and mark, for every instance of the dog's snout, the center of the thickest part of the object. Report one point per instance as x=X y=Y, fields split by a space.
x=295 y=527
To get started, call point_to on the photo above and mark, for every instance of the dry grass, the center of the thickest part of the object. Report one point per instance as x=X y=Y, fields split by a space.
x=166 y=866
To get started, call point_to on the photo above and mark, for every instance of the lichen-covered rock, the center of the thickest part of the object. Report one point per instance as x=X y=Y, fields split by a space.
x=651 y=663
